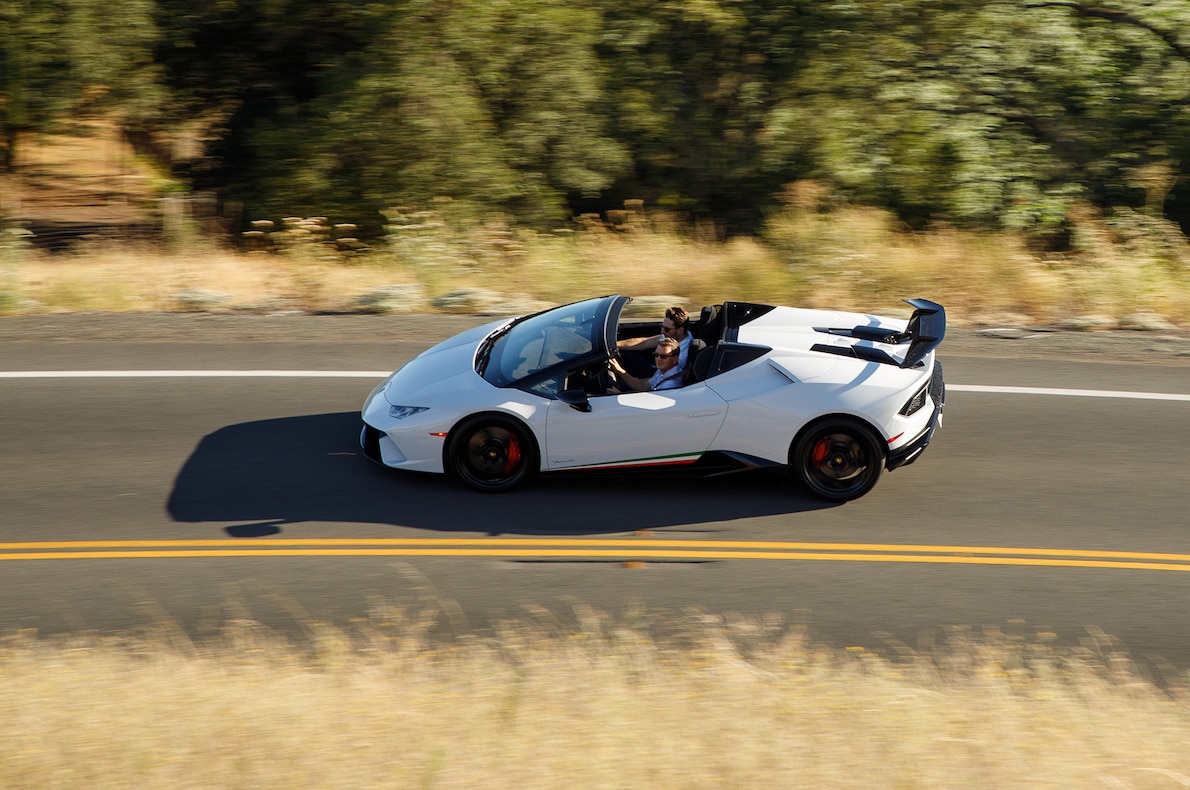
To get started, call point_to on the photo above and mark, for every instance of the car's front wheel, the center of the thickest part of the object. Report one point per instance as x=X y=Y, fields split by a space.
x=838 y=459
x=491 y=453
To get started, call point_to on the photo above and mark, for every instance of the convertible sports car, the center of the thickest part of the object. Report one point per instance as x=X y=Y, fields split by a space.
x=835 y=397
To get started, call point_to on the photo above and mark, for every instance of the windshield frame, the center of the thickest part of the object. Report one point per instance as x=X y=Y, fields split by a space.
x=605 y=315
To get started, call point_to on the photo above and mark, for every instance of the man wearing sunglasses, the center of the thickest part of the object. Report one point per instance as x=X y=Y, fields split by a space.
x=669 y=370
x=675 y=325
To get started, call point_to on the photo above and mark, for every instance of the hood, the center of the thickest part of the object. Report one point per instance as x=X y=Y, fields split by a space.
x=439 y=374
x=469 y=338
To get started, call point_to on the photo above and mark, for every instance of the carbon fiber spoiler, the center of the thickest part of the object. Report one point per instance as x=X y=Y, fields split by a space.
x=927 y=327
x=923 y=333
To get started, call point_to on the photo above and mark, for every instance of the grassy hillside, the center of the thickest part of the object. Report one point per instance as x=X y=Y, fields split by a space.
x=109 y=236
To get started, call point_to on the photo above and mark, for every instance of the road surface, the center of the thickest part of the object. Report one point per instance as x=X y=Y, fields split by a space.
x=1052 y=500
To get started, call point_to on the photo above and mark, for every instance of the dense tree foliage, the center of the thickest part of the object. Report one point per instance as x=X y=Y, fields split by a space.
x=989 y=113
x=62 y=57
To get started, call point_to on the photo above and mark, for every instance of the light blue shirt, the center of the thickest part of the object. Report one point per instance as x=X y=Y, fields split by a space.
x=666 y=381
x=684 y=349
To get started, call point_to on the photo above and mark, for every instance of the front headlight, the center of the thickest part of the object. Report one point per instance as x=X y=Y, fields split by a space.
x=401 y=412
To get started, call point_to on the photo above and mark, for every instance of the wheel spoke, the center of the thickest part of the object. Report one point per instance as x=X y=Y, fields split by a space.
x=489 y=453
x=492 y=456
x=839 y=462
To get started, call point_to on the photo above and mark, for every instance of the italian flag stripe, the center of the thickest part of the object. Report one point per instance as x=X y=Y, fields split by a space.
x=661 y=460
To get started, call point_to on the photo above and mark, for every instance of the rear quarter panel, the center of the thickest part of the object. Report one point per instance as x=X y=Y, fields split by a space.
x=767 y=409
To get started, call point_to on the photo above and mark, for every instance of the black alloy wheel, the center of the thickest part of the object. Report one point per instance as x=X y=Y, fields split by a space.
x=838 y=459
x=492 y=453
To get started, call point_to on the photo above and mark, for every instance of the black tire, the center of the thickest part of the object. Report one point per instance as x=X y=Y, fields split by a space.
x=838 y=459
x=491 y=453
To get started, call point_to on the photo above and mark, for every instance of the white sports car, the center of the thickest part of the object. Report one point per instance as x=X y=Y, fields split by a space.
x=836 y=397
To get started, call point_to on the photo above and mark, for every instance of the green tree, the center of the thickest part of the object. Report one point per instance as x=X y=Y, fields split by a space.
x=110 y=49
x=62 y=57
x=980 y=112
x=1001 y=113
x=491 y=104
x=340 y=108
x=35 y=84
x=691 y=89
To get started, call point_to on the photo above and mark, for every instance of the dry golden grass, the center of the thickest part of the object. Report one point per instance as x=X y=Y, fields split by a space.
x=851 y=259
x=141 y=278
x=858 y=257
x=600 y=703
x=846 y=257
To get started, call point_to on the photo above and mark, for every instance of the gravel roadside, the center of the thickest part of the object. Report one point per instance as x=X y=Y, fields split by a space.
x=1152 y=348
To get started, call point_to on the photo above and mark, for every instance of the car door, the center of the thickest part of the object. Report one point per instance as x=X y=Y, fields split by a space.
x=669 y=427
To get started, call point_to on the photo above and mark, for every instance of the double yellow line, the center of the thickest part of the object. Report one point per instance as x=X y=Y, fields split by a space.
x=634 y=550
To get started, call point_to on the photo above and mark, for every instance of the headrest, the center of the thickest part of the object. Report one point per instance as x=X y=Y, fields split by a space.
x=709 y=324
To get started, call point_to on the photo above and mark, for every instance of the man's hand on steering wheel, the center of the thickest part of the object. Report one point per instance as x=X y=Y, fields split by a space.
x=614 y=371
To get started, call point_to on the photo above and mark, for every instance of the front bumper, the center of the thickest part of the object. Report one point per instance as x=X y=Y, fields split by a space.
x=369 y=440
x=413 y=443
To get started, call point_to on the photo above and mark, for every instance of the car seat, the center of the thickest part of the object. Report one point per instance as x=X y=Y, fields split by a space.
x=700 y=367
x=710 y=324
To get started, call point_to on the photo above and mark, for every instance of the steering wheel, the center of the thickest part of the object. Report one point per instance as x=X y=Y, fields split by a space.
x=606 y=377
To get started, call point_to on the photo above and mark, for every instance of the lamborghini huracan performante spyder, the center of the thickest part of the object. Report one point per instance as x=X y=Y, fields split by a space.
x=835 y=397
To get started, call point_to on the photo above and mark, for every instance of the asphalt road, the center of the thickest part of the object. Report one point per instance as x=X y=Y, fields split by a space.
x=126 y=501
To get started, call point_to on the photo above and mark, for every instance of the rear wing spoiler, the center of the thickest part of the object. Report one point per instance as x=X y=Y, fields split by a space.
x=926 y=328
x=923 y=333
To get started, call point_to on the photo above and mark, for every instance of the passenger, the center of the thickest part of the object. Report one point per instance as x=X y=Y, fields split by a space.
x=675 y=325
x=668 y=375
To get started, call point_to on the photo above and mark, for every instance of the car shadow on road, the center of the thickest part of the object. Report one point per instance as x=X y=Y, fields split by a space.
x=264 y=475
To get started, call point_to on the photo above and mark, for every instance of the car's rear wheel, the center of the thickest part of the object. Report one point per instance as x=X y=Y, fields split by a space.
x=838 y=459
x=491 y=453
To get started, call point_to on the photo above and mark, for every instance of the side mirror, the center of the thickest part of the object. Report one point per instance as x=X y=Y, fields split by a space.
x=576 y=399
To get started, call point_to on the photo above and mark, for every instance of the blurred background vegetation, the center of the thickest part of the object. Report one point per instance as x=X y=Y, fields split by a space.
x=1065 y=124
x=1000 y=113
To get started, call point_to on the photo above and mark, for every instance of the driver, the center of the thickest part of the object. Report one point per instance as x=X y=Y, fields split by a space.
x=675 y=325
x=669 y=371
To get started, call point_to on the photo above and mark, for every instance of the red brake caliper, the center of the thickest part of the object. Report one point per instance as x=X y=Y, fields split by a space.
x=514 y=455
x=821 y=448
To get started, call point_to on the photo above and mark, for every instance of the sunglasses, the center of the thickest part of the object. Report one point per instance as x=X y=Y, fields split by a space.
x=663 y=356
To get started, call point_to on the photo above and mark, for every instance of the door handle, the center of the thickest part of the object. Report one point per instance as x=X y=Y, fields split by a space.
x=704 y=413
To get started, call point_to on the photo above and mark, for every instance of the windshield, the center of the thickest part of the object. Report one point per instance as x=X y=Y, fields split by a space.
x=542 y=341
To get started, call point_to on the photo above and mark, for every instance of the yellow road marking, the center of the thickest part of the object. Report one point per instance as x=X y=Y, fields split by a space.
x=590 y=548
